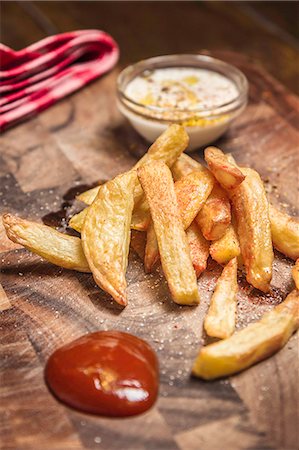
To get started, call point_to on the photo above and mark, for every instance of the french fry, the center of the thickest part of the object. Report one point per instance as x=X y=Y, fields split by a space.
x=284 y=228
x=295 y=273
x=285 y=232
x=223 y=168
x=253 y=227
x=225 y=248
x=167 y=148
x=158 y=186
x=76 y=222
x=57 y=248
x=184 y=165
x=252 y=344
x=199 y=248
x=140 y=218
x=192 y=191
x=151 y=256
x=215 y=215
x=106 y=235
x=221 y=318
x=88 y=196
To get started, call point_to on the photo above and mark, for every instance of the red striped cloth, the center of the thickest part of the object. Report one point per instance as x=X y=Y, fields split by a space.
x=38 y=76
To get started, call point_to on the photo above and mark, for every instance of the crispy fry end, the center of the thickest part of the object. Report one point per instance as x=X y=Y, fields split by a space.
x=223 y=168
x=225 y=248
x=57 y=248
x=285 y=232
x=215 y=216
x=252 y=344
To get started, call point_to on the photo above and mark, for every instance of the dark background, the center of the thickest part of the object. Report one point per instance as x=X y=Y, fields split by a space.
x=265 y=31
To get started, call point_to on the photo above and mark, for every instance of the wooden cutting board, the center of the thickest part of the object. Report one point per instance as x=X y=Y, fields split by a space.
x=43 y=162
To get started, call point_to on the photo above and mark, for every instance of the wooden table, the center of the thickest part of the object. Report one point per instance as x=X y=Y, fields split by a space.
x=83 y=139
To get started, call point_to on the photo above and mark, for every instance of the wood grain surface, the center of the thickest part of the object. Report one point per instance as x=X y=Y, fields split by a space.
x=77 y=142
x=43 y=162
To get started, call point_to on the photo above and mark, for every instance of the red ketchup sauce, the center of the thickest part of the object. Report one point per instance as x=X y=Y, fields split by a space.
x=109 y=373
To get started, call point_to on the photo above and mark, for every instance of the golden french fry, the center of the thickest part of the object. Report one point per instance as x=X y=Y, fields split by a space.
x=167 y=148
x=76 y=222
x=106 y=235
x=254 y=232
x=151 y=256
x=295 y=273
x=192 y=190
x=215 y=215
x=252 y=344
x=221 y=318
x=184 y=165
x=225 y=248
x=57 y=248
x=140 y=218
x=199 y=248
x=88 y=196
x=223 y=168
x=158 y=186
x=285 y=232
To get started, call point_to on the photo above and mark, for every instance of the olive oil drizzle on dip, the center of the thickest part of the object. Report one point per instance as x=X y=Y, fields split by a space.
x=190 y=89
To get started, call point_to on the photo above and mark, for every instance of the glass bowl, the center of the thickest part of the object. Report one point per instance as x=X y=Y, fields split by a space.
x=203 y=125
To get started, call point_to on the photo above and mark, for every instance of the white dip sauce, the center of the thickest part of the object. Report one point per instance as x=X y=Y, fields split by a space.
x=182 y=88
x=190 y=96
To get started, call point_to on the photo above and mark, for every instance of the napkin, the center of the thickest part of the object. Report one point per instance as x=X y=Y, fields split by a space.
x=38 y=76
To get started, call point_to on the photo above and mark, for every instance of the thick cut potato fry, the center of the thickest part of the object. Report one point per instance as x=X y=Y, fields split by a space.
x=252 y=344
x=158 y=186
x=215 y=215
x=106 y=235
x=167 y=148
x=223 y=168
x=253 y=226
x=295 y=273
x=285 y=232
x=192 y=190
x=220 y=321
x=57 y=248
x=184 y=165
x=226 y=248
x=199 y=248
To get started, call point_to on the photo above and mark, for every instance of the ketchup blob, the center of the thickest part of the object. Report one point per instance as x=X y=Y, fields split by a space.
x=108 y=373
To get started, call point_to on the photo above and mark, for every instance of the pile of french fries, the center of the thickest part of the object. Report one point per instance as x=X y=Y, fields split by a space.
x=187 y=212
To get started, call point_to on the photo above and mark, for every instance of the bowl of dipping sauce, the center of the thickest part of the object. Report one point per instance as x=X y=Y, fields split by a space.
x=200 y=92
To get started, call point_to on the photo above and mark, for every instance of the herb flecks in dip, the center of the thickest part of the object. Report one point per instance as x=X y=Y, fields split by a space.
x=190 y=89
